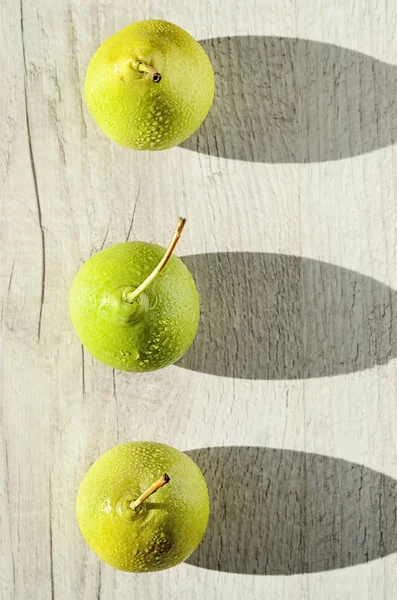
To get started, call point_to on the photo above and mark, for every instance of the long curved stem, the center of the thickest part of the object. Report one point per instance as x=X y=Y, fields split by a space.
x=131 y=296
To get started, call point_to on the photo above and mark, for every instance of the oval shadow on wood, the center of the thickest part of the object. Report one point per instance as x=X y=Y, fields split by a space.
x=282 y=512
x=288 y=100
x=275 y=316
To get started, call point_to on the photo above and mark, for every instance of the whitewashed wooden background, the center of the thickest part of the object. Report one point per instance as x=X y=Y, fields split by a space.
x=318 y=181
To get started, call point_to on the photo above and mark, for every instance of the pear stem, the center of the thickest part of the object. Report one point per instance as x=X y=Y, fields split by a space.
x=131 y=296
x=153 y=488
x=144 y=68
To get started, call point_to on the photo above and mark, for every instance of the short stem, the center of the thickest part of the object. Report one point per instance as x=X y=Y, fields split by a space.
x=131 y=296
x=144 y=68
x=153 y=488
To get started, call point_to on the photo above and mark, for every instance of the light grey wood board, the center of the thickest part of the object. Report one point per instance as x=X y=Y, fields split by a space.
x=67 y=191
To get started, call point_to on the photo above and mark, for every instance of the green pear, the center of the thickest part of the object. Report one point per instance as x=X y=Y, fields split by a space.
x=135 y=306
x=149 y=86
x=143 y=506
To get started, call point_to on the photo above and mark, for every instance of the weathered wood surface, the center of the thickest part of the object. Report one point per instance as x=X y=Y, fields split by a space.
x=303 y=216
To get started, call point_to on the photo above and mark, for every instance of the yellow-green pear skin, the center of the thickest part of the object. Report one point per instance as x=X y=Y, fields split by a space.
x=154 y=331
x=129 y=106
x=165 y=529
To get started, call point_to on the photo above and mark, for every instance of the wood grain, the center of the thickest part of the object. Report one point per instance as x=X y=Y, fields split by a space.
x=67 y=191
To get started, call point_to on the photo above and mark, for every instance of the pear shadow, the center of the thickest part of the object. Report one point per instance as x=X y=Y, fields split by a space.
x=282 y=512
x=275 y=316
x=289 y=100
